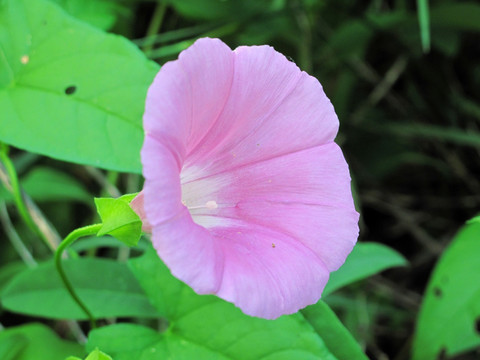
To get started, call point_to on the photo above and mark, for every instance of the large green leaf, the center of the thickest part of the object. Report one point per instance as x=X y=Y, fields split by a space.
x=449 y=319
x=35 y=341
x=108 y=289
x=68 y=90
x=365 y=260
x=8 y=271
x=204 y=327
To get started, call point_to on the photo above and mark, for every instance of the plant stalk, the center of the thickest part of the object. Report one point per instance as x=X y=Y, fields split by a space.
x=70 y=239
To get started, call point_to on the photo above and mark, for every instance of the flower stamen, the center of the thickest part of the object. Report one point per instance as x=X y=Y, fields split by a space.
x=212 y=204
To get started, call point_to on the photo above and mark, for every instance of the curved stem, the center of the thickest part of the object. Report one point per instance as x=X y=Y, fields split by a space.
x=70 y=239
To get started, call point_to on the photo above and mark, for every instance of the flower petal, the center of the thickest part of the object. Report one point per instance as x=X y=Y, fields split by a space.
x=311 y=201
x=190 y=252
x=162 y=191
x=267 y=273
x=273 y=109
x=188 y=95
x=245 y=140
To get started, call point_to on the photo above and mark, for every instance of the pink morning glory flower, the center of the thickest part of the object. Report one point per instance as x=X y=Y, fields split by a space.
x=246 y=193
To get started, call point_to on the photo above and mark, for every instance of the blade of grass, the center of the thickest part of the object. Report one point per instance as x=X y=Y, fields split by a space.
x=441 y=133
x=424 y=22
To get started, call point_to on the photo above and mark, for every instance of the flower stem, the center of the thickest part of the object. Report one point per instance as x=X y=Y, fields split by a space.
x=70 y=239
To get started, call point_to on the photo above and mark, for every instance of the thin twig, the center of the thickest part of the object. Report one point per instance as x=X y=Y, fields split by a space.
x=408 y=221
x=408 y=299
x=390 y=78
x=305 y=41
x=154 y=26
x=15 y=240
x=102 y=180
x=49 y=234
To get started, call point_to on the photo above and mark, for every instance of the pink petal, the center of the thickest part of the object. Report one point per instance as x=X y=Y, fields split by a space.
x=190 y=252
x=267 y=273
x=311 y=201
x=245 y=140
x=269 y=113
x=187 y=97
x=163 y=198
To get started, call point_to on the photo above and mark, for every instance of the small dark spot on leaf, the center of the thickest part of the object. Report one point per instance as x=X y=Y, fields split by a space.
x=70 y=90
x=477 y=325
x=437 y=291
x=442 y=355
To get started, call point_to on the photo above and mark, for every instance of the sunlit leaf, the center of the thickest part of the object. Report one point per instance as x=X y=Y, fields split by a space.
x=204 y=327
x=68 y=90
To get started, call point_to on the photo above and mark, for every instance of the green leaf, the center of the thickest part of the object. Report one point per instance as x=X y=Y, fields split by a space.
x=337 y=338
x=8 y=271
x=35 y=341
x=47 y=184
x=204 y=327
x=449 y=318
x=365 y=260
x=119 y=219
x=12 y=346
x=125 y=341
x=107 y=288
x=68 y=90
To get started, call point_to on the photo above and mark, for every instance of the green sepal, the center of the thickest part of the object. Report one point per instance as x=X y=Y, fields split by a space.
x=94 y=355
x=98 y=355
x=119 y=220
